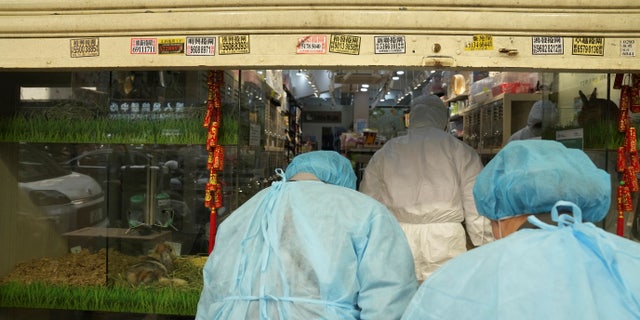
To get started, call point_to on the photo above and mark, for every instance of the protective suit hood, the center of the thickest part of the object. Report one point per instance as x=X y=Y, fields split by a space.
x=543 y=111
x=428 y=111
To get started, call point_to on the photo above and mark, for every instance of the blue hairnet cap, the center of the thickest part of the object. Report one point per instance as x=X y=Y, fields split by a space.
x=328 y=166
x=530 y=176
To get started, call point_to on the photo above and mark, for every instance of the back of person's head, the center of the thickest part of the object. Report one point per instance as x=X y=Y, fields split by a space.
x=530 y=176
x=428 y=111
x=328 y=166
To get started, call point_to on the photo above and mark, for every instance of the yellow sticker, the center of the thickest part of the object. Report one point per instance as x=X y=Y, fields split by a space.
x=588 y=46
x=236 y=44
x=171 y=46
x=85 y=47
x=480 y=42
x=342 y=43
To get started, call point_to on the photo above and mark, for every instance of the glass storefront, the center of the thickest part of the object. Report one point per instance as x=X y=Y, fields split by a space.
x=108 y=168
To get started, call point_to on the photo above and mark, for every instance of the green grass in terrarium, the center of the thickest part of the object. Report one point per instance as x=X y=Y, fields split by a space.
x=38 y=128
x=154 y=300
x=164 y=300
x=596 y=136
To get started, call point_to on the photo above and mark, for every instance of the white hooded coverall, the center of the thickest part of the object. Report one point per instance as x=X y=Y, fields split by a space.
x=543 y=112
x=426 y=180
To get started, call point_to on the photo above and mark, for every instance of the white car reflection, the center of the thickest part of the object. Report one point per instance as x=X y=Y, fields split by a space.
x=67 y=199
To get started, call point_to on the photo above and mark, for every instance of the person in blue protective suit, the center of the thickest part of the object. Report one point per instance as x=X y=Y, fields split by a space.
x=565 y=269
x=309 y=247
x=426 y=179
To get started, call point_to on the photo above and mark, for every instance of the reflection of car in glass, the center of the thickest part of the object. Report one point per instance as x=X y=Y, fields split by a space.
x=127 y=172
x=69 y=200
x=131 y=175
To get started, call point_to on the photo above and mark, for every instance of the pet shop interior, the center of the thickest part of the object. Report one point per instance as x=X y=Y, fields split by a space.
x=129 y=131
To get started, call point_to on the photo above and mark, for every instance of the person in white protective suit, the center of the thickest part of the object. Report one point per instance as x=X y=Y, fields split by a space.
x=542 y=113
x=425 y=178
x=565 y=268
x=309 y=247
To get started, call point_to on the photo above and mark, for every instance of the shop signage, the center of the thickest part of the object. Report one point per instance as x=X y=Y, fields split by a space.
x=346 y=44
x=547 y=45
x=588 y=46
x=143 y=46
x=201 y=46
x=480 y=42
x=313 y=44
x=85 y=47
x=134 y=109
x=237 y=44
x=389 y=44
x=627 y=48
x=171 y=46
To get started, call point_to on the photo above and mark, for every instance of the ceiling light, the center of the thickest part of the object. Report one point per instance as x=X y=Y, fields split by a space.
x=395 y=78
x=399 y=72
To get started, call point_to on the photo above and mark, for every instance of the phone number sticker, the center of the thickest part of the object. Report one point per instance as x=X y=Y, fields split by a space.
x=480 y=42
x=201 y=46
x=313 y=44
x=144 y=46
x=628 y=48
x=389 y=44
x=588 y=46
x=238 y=44
x=347 y=44
x=547 y=45
x=171 y=46
x=84 y=47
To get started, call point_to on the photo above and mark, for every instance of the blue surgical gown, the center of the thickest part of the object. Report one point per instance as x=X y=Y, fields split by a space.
x=576 y=272
x=308 y=250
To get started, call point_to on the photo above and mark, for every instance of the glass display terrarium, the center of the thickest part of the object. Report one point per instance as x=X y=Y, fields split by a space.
x=105 y=175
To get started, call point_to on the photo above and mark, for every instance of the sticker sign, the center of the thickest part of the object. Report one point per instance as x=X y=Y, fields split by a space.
x=238 y=44
x=314 y=44
x=588 y=46
x=201 y=46
x=171 y=46
x=347 y=44
x=389 y=44
x=628 y=48
x=85 y=47
x=143 y=46
x=480 y=42
x=547 y=45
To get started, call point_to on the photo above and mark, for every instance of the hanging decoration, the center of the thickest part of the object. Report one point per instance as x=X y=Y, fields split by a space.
x=215 y=160
x=628 y=165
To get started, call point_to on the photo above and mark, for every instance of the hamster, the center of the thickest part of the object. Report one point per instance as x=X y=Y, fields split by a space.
x=154 y=267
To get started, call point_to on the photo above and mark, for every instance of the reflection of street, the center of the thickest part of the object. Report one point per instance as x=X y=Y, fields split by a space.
x=149 y=189
x=153 y=188
x=68 y=200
